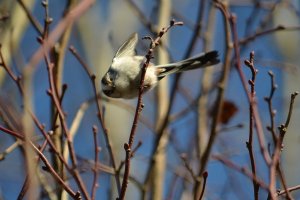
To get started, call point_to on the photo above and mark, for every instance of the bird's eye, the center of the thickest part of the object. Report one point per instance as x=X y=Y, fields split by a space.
x=103 y=81
x=106 y=80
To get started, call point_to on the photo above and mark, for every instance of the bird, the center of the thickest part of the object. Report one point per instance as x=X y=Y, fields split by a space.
x=122 y=79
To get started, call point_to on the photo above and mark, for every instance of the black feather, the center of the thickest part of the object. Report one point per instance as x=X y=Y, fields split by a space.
x=203 y=60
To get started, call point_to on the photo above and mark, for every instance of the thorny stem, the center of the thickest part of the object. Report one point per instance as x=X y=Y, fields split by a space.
x=139 y=107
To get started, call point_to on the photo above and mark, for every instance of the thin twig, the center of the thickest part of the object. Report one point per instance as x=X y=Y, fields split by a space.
x=287 y=122
x=73 y=15
x=242 y=170
x=271 y=128
x=282 y=192
x=204 y=176
x=250 y=64
x=9 y=149
x=165 y=121
x=41 y=127
x=139 y=107
x=220 y=93
x=132 y=155
x=49 y=168
x=58 y=55
x=258 y=124
x=141 y=16
x=35 y=23
x=253 y=16
x=8 y=70
x=27 y=180
x=283 y=181
x=57 y=131
x=272 y=112
x=18 y=82
x=55 y=99
x=188 y=167
x=172 y=189
x=99 y=115
x=97 y=149
x=256 y=35
x=73 y=158
x=278 y=149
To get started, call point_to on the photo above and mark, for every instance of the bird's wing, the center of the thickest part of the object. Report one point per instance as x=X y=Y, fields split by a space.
x=128 y=47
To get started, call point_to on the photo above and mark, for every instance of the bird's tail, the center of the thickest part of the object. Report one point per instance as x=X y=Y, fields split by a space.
x=202 y=60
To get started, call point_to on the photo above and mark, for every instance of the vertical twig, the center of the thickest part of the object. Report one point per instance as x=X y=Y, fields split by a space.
x=48 y=166
x=272 y=112
x=203 y=99
x=205 y=87
x=100 y=116
x=65 y=128
x=56 y=136
x=278 y=148
x=95 y=179
x=204 y=176
x=165 y=121
x=271 y=128
x=139 y=107
x=257 y=120
x=159 y=161
x=220 y=94
x=41 y=127
x=250 y=64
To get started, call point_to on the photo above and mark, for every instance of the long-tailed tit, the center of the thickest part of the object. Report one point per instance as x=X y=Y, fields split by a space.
x=122 y=80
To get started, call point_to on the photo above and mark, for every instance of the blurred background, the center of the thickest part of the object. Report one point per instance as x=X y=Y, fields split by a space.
x=187 y=101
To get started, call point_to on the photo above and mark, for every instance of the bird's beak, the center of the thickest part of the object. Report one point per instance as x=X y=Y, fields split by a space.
x=107 y=85
x=108 y=92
